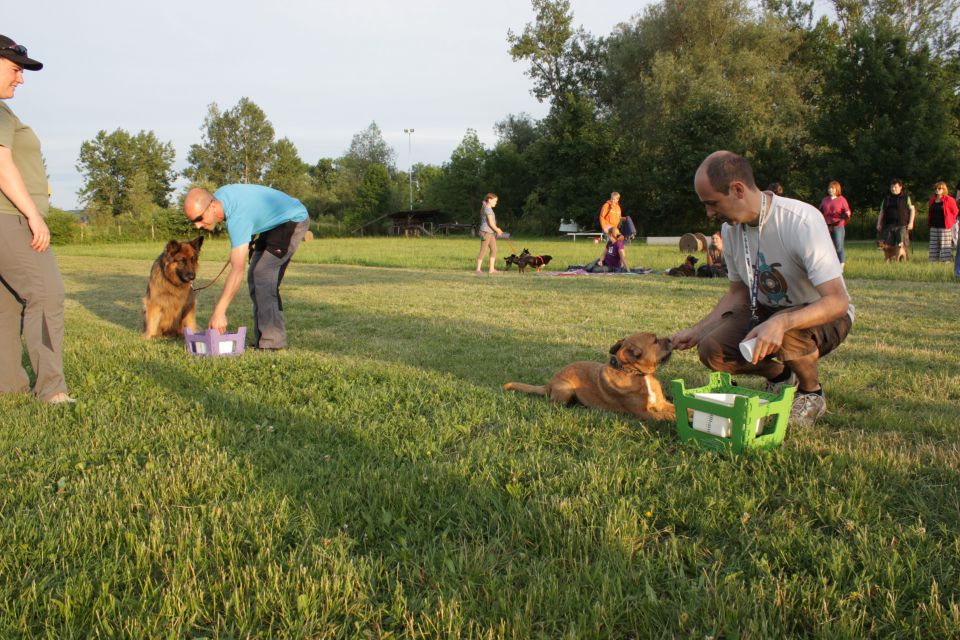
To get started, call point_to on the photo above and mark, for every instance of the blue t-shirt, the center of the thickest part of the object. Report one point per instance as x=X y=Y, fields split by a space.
x=251 y=208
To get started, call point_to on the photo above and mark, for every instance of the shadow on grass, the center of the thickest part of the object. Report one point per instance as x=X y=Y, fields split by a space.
x=396 y=336
x=448 y=518
x=424 y=510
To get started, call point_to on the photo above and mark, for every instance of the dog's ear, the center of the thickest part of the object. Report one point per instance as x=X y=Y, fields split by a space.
x=196 y=243
x=172 y=247
x=617 y=346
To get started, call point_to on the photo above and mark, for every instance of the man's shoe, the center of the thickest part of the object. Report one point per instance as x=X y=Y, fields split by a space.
x=807 y=407
x=776 y=387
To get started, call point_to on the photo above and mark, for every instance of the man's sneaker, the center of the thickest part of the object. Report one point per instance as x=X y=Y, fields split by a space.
x=807 y=407
x=776 y=387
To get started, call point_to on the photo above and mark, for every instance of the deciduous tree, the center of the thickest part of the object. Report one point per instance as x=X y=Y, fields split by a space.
x=287 y=171
x=109 y=163
x=237 y=146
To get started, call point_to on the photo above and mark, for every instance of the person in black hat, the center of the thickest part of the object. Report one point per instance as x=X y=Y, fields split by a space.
x=31 y=297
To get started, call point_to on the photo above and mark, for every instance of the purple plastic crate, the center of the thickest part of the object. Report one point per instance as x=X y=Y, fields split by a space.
x=212 y=343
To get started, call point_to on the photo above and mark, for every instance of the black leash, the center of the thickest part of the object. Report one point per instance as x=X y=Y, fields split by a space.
x=212 y=281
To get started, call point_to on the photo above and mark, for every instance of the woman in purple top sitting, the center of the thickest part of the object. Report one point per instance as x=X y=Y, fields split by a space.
x=836 y=212
x=614 y=257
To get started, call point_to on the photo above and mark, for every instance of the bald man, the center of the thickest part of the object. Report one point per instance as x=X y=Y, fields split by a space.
x=786 y=287
x=279 y=222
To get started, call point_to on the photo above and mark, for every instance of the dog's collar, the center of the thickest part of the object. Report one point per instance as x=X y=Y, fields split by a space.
x=616 y=364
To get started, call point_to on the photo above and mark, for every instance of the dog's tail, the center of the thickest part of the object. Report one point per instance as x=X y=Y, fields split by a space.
x=535 y=389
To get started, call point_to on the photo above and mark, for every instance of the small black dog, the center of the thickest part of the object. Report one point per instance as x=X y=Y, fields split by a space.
x=515 y=259
x=533 y=261
x=687 y=269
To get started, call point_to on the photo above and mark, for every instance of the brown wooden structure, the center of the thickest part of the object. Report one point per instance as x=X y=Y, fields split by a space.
x=417 y=223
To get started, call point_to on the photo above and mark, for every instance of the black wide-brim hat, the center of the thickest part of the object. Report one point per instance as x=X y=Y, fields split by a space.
x=18 y=53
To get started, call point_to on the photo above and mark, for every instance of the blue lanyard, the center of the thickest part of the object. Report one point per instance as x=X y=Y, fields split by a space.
x=754 y=269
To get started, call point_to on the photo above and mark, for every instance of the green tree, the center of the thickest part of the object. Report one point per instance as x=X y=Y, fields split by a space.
x=689 y=77
x=561 y=59
x=323 y=199
x=373 y=197
x=424 y=176
x=237 y=146
x=576 y=162
x=924 y=23
x=888 y=111
x=287 y=172
x=368 y=148
x=109 y=163
x=461 y=185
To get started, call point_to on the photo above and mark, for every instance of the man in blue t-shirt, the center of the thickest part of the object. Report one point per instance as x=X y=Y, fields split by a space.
x=280 y=222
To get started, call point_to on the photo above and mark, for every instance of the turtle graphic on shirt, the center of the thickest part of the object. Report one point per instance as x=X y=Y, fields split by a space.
x=772 y=283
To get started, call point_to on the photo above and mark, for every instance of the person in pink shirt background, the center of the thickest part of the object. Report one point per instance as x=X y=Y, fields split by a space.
x=836 y=212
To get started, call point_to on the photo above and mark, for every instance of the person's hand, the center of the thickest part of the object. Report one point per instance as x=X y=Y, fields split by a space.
x=41 y=234
x=685 y=339
x=769 y=337
x=218 y=321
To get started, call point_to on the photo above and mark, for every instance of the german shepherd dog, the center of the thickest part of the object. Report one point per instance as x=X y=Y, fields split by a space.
x=171 y=303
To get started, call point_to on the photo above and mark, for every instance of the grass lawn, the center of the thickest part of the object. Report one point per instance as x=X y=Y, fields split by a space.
x=374 y=481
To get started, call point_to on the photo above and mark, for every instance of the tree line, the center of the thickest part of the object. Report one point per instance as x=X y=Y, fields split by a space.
x=861 y=94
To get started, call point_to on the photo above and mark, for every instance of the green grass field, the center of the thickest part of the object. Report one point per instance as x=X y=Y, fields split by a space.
x=374 y=481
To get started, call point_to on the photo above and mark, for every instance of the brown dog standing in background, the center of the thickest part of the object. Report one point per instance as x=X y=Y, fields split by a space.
x=894 y=252
x=626 y=384
x=171 y=303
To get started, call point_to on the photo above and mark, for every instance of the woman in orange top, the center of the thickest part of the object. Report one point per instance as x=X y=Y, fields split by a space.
x=610 y=214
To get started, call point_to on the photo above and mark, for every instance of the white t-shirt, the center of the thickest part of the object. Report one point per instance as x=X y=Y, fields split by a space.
x=796 y=254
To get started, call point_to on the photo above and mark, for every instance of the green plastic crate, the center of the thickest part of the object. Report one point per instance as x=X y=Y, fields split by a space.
x=746 y=410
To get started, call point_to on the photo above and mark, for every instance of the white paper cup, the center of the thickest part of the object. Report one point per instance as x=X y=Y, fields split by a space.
x=746 y=349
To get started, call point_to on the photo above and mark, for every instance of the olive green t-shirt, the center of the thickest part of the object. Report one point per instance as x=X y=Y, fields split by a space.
x=25 y=145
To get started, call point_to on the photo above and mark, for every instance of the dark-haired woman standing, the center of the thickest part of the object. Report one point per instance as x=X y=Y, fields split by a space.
x=31 y=295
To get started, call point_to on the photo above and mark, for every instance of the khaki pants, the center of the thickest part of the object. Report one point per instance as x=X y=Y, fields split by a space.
x=31 y=303
x=801 y=348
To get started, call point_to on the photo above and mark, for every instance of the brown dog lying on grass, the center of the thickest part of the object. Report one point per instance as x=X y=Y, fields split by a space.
x=171 y=303
x=625 y=384
x=688 y=269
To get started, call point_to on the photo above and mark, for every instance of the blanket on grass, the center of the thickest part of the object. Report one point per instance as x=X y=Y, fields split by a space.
x=638 y=271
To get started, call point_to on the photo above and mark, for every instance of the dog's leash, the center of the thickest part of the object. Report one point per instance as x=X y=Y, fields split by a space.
x=212 y=281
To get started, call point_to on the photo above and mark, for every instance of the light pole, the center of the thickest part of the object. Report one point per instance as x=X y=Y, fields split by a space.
x=409 y=133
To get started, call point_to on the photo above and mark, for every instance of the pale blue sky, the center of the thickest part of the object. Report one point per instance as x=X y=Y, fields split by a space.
x=321 y=70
